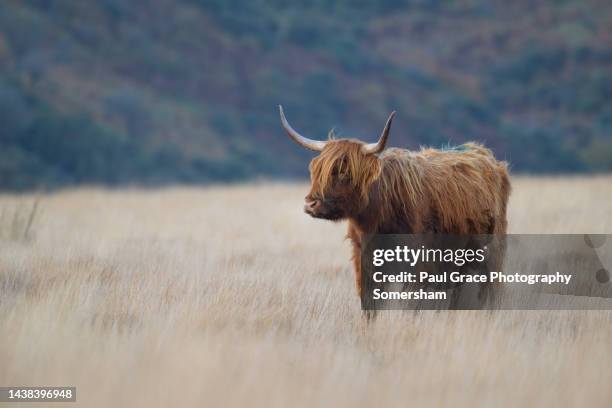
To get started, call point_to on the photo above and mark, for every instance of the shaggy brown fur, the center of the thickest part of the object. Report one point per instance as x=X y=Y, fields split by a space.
x=460 y=191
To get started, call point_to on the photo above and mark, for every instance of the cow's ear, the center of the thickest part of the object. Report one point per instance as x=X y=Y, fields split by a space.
x=331 y=135
x=379 y=146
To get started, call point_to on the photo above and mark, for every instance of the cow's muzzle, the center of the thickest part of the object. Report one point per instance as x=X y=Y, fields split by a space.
x=312 y=207
x=322 y=209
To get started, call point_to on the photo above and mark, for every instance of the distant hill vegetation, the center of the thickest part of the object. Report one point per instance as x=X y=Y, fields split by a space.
x=158 y=91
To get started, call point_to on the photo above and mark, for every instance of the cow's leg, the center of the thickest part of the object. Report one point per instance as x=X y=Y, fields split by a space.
x=492 y=292
x=358 y=276
x=353 y=235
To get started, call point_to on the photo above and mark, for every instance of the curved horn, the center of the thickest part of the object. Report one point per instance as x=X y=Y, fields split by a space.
x=380 y=145
x=314 y=145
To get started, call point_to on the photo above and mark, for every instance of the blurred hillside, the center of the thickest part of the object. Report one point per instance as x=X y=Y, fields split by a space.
x=160 y=91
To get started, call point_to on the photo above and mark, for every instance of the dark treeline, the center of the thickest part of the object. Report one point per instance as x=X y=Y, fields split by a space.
x=161 y=91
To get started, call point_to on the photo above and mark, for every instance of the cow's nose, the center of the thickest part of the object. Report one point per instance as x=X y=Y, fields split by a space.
x=312 y=205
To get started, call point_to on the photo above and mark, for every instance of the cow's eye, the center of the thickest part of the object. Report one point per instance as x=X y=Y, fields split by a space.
x=340 y=173
x=343 y=177
x=341 y=168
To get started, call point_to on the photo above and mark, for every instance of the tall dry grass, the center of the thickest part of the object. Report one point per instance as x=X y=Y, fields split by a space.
x=231 y=296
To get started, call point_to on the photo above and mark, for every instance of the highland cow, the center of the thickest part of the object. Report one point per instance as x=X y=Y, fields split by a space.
x=397 y=191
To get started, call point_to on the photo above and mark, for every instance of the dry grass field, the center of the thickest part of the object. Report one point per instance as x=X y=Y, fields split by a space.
x=231 y=296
